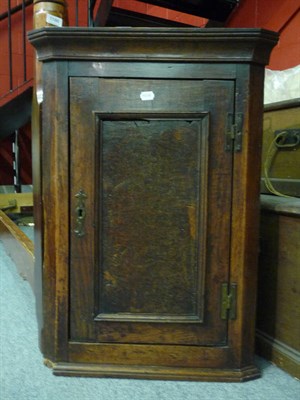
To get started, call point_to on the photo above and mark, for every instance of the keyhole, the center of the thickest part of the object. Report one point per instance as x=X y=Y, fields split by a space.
x=80 y=213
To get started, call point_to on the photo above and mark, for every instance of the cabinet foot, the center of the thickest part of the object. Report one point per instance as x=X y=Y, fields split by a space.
x=161 y=373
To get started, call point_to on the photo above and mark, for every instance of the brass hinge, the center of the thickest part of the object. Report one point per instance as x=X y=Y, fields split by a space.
x=234 y=132
x=228 y=300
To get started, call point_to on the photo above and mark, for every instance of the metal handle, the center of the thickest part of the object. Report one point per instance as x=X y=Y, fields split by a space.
x=80 y=212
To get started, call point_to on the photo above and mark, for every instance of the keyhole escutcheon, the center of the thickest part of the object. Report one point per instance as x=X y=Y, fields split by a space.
x=80 y=213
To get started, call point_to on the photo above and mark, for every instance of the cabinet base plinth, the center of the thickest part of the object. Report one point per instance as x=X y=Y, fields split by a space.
x=160 y=373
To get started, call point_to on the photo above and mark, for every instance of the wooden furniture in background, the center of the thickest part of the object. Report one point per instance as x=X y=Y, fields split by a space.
x=278 y=308
x=285 y=169
x=149 y=200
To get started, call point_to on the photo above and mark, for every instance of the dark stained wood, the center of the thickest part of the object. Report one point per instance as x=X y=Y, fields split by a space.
x=144 y=44
x=155 y=69
x=177 y=227
x=55 y=220
x=41 y=10
x=139 y=157
x=151 y=372
x=245 y=211
x=278 y=311
x=144 y=213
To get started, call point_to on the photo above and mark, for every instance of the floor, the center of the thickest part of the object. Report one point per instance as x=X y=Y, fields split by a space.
x=24 y=377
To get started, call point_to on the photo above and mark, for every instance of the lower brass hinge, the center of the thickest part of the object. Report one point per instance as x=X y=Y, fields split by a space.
x=228 y=301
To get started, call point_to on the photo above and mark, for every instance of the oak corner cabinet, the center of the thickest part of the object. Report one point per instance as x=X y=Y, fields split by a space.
x=147 y=171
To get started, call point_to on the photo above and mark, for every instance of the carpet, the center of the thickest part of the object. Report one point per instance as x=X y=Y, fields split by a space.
x=24 y=377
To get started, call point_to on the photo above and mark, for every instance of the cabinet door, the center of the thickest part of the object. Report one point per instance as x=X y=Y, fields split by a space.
x=150 y=203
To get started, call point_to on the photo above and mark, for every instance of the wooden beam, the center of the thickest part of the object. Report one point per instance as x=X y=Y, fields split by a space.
x=285 y=13
x=218 y=10
x=19 y=247
x=103 y=12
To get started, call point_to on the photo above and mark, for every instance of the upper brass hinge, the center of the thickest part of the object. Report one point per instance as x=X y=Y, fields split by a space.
x=228 y=301
x=234 y=132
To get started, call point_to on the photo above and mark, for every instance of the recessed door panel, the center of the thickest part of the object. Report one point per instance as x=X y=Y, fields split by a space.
x=148 y=263
x=152 y=230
